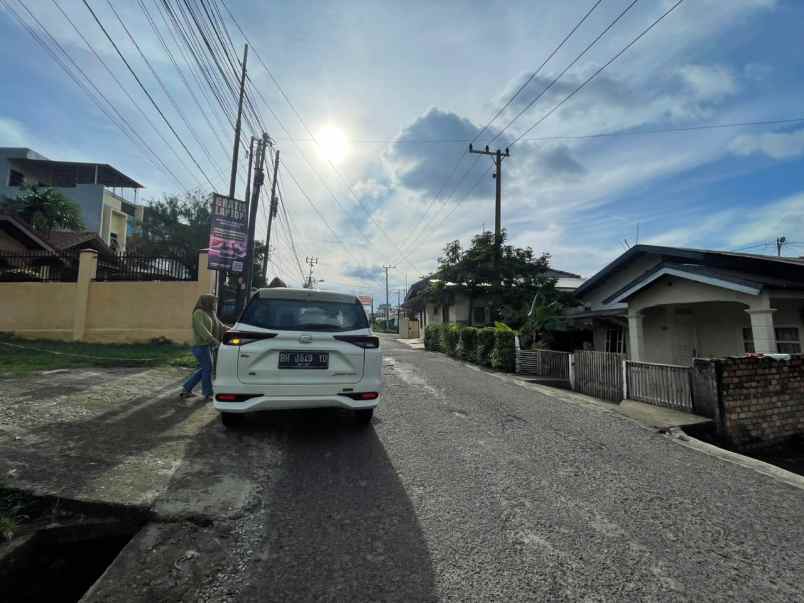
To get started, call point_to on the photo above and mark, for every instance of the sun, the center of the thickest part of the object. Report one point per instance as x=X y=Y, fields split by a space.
x=332 y=145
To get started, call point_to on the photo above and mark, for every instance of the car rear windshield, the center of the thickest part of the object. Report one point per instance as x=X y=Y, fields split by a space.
x=304 y=315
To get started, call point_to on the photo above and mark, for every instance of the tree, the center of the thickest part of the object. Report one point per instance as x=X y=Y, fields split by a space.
x=45 y=208
x=519 y=276
x=175 y=226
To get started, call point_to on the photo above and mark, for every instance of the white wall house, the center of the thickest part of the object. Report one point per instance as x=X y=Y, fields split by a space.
x=669 y=305
x=455 y=306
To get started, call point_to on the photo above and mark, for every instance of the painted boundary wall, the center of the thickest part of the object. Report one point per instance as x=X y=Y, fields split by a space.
x=103 y=312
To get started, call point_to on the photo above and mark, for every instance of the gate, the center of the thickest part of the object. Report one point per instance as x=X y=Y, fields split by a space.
x=599 y=374
x=666 y=385
x=543 y=363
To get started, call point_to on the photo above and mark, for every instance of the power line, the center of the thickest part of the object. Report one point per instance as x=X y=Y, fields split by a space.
x=599 y=71
x=418 y=231
x=131 y=133
x=147 y=93
x=169 y=96
x=694 y=127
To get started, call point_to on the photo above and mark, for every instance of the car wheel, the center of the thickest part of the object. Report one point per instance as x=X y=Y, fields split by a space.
x=363 y=415
x=231 y=419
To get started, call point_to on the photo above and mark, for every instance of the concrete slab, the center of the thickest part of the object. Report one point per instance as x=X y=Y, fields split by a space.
x=658 y=416
x=416 y=344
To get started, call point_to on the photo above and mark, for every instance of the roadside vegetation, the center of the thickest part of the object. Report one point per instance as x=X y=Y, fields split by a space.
x=20 y=357
x=491 y=347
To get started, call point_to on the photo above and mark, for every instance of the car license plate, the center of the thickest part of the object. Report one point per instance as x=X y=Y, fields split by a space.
x=303 y=360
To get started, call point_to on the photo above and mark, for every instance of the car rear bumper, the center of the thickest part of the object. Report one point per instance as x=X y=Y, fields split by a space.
x=282 y=397
x=293 y=402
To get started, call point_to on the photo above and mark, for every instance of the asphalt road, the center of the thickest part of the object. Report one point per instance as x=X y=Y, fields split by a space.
x=471 y=487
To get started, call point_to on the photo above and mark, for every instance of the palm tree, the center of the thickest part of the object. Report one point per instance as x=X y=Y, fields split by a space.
x=45 y=208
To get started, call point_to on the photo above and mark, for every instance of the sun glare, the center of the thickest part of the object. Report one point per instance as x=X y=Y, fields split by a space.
x=332 y=144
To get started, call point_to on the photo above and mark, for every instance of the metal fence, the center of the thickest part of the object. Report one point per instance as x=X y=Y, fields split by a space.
x=39 y=267
x=667 y=385
x=543 y=363
x=598 y=374
x=135 y=267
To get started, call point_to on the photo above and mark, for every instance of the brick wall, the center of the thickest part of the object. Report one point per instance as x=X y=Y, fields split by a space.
x=761 y=400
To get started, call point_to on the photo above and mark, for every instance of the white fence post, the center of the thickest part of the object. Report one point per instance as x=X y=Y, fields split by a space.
x=516 y=353
x=625 y=380
x=572 y=371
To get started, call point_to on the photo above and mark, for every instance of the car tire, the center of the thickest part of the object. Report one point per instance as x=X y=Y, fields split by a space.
x=231 y=419
x=363 y=415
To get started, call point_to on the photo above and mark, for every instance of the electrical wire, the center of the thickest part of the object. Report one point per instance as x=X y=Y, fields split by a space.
x=147 y=93
x=123 y=124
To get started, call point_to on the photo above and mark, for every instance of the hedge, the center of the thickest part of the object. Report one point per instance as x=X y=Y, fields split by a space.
x=503 y=357
x=468 y=344
x=451 y=336
x=431 y=336
x=485 y=345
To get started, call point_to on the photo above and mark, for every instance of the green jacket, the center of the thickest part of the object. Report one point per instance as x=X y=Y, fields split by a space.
x=204 y=329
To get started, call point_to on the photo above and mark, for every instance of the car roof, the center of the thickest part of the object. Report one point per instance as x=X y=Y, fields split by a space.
x=306 y=295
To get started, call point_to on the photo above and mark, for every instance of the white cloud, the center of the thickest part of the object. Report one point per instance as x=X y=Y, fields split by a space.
x=12 y=133
x=709 y=82
x=776 y=145
x=765 y=223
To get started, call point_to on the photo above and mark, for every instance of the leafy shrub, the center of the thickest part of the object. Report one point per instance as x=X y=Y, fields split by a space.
x=452 y=335
x=503 y=357
x=468 y=344
x=432 y=338
x=485 y=345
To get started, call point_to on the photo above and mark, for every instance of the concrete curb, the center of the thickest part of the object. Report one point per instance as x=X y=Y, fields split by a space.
x=772 y=471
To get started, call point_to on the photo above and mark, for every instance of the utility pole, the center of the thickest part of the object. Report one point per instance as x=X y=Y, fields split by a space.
x=250 y=164
x=259 y=179
x=271 y=215
x=780 y=241
x=235 y=158
x=387 y=267
x=311 y=262
x=498 y=156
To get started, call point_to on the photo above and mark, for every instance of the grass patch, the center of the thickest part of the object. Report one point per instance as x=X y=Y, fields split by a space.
x=20 y=357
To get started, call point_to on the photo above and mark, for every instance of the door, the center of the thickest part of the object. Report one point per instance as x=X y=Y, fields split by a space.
x=684 y=338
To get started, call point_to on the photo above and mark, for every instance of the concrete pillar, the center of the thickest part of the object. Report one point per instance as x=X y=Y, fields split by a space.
x=87 y=270
x=763 y=331
x=636 y=338
x=207 y=279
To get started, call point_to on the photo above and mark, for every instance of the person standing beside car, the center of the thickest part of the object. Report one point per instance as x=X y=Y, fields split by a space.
x=207 y=330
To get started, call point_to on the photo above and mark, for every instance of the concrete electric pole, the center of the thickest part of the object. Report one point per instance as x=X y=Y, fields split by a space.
x=387 y=267
x=271 y=216
x=311 y=262
x=498 y=156
x=259 y=179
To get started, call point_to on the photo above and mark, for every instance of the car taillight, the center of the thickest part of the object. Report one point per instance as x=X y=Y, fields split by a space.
x=234 y=397
x=361 y=341
x=242 y=338
x=362 y=395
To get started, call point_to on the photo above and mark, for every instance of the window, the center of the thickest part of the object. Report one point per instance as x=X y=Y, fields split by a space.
x=479 y=316
x=304 y=315
x=615 y=340
x=748 y=340
x=787 y=340
x=114 y=242
x=15 y=178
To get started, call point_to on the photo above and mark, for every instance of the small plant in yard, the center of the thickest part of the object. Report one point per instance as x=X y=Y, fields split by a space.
x=468 y=344
x=485 y=345
x=432 y=338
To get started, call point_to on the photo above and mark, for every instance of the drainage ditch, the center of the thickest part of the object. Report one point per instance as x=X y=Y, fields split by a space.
x=54 y=549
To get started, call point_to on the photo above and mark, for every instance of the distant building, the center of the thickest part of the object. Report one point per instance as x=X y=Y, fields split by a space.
x=97 y=188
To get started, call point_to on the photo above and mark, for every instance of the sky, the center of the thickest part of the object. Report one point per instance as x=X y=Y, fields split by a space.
x=407 y=85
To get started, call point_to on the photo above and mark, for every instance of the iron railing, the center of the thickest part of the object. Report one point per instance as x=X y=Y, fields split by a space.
x=39 y=267
x=138 y=267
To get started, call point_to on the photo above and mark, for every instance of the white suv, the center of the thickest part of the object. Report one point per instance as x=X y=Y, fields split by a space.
x=299 y=348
